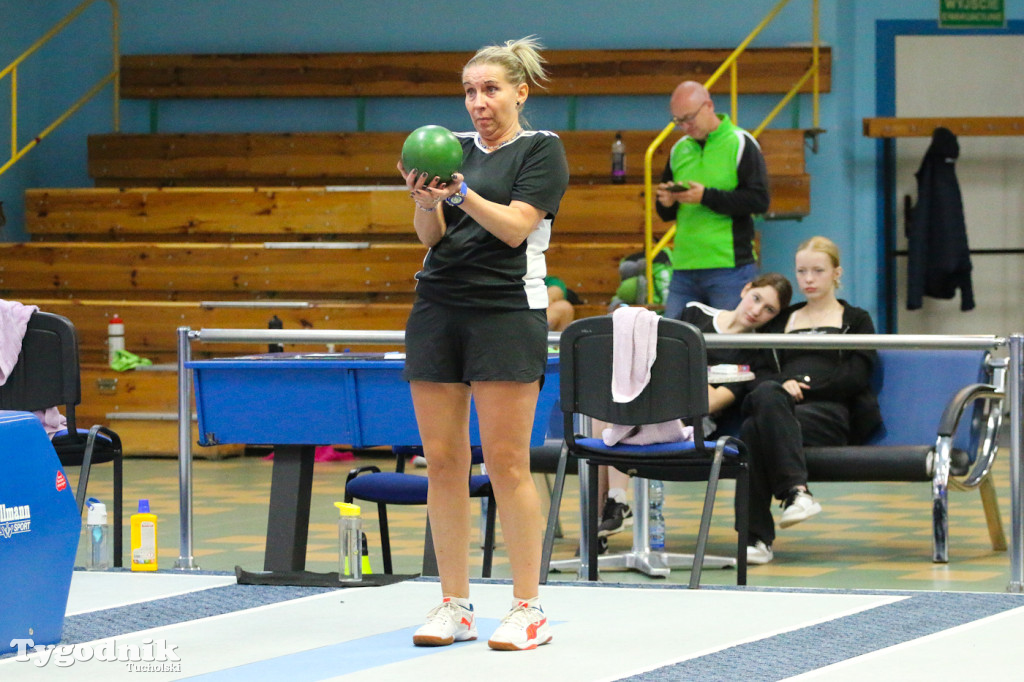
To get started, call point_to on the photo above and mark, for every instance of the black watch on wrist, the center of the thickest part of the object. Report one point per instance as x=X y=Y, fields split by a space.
x=458 y=197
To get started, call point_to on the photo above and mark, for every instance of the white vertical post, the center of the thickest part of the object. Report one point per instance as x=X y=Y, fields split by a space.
x=1015 y=395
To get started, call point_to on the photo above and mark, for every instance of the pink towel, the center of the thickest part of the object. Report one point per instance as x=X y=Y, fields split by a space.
x=634 y=350
x=647 y=434
x=13 y=323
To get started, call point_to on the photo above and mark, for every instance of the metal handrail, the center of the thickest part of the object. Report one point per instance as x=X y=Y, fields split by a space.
x=813 y=71
x=12 y=71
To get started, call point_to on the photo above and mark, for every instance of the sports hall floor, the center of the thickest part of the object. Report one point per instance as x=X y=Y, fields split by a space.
x=851 y=594
x=870 y=535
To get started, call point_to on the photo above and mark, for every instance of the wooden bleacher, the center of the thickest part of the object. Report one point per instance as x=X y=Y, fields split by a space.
x=229 y=229
x=435 y=74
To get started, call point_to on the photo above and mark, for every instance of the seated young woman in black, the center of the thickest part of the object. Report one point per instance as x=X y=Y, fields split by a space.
x=804 y=397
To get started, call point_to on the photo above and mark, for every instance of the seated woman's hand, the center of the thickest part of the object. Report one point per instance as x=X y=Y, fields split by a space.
x=795 y=388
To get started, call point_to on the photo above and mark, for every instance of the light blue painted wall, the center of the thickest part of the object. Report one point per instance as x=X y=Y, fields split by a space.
x=844 y=186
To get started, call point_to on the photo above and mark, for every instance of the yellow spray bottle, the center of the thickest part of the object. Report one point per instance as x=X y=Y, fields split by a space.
x=144 y=545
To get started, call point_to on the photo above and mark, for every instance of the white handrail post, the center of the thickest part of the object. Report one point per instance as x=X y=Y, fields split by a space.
x=1014 y=389
x=185 y=560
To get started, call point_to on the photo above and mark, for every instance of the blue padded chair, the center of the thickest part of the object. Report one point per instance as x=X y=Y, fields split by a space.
x=47 y=375
x=942 y=412
x=678 y=389
x=371 y=484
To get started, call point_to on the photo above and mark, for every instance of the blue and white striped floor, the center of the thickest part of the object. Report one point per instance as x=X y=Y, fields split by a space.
x=601 y=632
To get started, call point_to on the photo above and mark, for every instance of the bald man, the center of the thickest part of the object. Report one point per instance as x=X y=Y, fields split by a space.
x=713 y=184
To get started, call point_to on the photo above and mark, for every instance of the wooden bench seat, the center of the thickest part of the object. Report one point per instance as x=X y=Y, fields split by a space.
x=174 y=271
x=432 y=74
x=599 y=212
x=324 y=159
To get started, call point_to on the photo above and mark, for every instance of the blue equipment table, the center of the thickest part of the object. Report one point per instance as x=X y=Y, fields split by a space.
x=298 y=401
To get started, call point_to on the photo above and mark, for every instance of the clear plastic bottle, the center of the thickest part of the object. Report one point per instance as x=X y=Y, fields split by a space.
x=98 y=536
x=618 y=160
x=656 y=516
x=350 y=543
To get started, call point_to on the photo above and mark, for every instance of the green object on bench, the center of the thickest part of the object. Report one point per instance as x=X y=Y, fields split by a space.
x=941 y=412
x=125 y=360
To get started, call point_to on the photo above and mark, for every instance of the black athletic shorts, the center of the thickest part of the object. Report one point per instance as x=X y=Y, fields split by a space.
x=449 y=344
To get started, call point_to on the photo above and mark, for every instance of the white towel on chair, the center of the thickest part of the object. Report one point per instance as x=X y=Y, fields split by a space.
x=634 y=350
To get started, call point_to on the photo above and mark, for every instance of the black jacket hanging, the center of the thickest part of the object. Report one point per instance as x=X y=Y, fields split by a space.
x=939 y=260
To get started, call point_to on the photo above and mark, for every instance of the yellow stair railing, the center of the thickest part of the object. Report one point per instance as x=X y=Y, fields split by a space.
x=12 y=72
x=651 y=249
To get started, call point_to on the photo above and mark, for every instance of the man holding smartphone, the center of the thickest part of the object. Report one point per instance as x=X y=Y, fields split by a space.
x=713 y=184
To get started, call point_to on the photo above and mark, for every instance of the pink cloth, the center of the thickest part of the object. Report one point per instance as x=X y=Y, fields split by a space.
x=634 y=350
x=13 y=323
x=647 y=434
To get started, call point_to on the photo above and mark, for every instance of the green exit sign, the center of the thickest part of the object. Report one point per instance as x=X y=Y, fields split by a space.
x=972 y=14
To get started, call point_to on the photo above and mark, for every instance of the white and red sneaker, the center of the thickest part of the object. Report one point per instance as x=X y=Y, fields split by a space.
x=525 y=627
x=446 y=623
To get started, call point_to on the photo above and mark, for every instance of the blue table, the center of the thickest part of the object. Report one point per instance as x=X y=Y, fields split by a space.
x=298 y=401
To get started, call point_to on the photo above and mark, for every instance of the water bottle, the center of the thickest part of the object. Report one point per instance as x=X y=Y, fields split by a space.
x=350 y=543
x=115 y=337
x=98 y=534
x=656 y=517
x=618 y=160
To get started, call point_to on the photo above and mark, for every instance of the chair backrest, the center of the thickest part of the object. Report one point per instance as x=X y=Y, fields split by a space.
x=679 y=376
x=913 y=388
x=47 y=372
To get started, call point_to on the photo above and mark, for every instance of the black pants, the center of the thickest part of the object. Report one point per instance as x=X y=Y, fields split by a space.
x=776 y=428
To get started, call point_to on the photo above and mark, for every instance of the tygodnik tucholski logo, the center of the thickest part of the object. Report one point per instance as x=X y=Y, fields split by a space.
x=150 y=655
x=17 y=519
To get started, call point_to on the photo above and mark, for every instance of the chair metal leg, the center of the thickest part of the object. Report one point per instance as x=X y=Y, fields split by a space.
x=705 y=517
x=742 y=521
x=592 y=522
x=385 y=536
x=639 y=557
x=489 y=536
x=118 y=510
x=940 y=502
x=553 y=510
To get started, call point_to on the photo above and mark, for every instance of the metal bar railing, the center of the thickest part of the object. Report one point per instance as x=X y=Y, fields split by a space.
x=12 y=70
x=651 y=250
x=1015 y=393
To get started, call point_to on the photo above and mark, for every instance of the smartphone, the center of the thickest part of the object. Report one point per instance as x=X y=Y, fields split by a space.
x=679 y=187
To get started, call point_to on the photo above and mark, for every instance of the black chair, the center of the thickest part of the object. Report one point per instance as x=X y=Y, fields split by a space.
x=47 y=375
x=677 y=390
x=385 y=487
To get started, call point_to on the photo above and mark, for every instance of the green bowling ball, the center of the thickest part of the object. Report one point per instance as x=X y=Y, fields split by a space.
x=433 y=150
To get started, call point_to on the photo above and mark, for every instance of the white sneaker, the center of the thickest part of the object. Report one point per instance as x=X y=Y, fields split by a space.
x=446 y=623
x=525 y=627
x=799 y=506
x=759 y=553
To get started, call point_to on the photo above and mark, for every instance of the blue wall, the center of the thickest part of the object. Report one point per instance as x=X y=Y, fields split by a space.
x=845 y=192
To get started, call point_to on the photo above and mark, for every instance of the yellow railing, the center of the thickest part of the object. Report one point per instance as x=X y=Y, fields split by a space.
x=651 y=249
x=12 y=72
